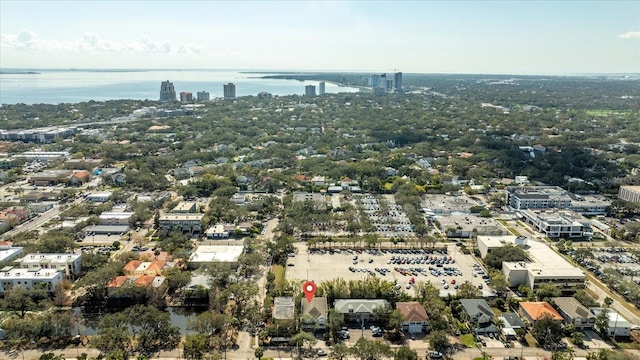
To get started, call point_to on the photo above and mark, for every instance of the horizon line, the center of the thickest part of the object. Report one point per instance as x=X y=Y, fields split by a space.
x=299 y=71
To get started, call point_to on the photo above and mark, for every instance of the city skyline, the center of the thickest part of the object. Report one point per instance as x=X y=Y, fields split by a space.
x=497 y=37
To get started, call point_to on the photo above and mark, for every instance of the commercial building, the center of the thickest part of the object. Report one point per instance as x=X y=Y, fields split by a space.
x=106 y=229
x=167 y=91
x=47 y=279
x=544 y=264
x=314 y=314
x=41 y=135
x=186 y=96
x=229 y=91
x=556 y=223
x=221 y=254
x=536 y=310
x=220 y=231
x=488 y=243
x=50 y=177
x=203 y=96
x=553 y=197
x=574 y=313
x=321 y=88
x=43 y=155
x=618 y=326
x=69 y=264
x=415 y=317
x=115 y=218
x=629 y=193
x=101 y=197
x=310 y=90
x=185 y=207
x=182 y=222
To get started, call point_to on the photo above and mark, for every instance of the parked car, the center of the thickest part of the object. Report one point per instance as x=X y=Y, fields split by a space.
x=321 y=352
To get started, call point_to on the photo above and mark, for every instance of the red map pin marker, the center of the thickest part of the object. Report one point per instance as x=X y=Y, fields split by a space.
x=309 y=288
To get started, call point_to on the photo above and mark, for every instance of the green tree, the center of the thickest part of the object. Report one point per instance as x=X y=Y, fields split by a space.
x=469 y=291
x=439 y=341
x=547 y=331
x=339 y=351
x=194 y=346
x=370 y=350
x=258 y=352
x=21 y=300
x=405 y=353
x=546 y=291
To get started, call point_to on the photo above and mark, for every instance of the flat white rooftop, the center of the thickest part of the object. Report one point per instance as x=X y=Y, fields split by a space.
x=216 y=253
x=546 y=262
x=10 y=253
x=24 y=274
x=116 y=215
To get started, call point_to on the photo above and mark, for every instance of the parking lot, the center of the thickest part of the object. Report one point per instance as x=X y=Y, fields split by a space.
x=319 y=267
x=388 y=217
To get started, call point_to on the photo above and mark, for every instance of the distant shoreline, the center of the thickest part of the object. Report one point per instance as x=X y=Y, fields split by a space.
x=4 y=72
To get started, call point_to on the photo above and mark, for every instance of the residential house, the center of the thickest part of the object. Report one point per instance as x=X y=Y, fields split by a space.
x=80 y=177
x=151 y=268
x=574 y=313
x=535 y=310
x=284 y=308
x=511 y=323
x=359 y=310
x=314 y=314
x=101 y=197
x=479 y=315
x=415 y=316
x=219 y=231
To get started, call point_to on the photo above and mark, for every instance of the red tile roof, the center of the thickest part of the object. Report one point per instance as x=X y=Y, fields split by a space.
x=536 y=310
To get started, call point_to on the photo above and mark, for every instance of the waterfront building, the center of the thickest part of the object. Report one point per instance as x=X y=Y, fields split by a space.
x=229 y=91
x=203 y=96
x=310 y=90
x=167 y=91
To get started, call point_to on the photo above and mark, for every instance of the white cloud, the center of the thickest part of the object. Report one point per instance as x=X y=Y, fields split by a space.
x=93 y=43
x=630 y=35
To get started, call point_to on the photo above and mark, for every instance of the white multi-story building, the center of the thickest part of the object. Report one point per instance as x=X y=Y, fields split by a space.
x=629 y=193
x=553 y=197
x=543 y=265
x=43 y=279
x=8 y=251
x=69 y=264
x=183 y=222
x=115 y=218
x=555 y=224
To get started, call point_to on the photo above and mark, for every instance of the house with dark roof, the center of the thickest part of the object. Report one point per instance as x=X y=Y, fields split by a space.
x=574 y=313
x=479 y=315
x=415 y=316
x=314 y=314
x=511 y=322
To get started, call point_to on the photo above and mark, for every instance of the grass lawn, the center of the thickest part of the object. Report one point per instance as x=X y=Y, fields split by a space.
x=513 y=231
x=278 y=271
x=531 y=341
x=467 y=340
x=496 y=311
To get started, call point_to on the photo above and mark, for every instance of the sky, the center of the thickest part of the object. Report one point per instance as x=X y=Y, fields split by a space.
x=480 y=37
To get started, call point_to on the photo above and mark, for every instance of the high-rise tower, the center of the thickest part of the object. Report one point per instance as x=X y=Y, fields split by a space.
x=229 y=91
x=167 y=91
x=321 y=90
x=397 y=82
